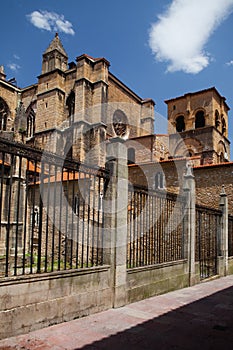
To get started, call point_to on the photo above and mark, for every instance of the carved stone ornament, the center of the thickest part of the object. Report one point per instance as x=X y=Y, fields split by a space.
x=20 y=123
x=120 y=124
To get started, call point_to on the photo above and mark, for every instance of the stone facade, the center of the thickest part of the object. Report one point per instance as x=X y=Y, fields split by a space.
x=75 y=107
x=73 y=104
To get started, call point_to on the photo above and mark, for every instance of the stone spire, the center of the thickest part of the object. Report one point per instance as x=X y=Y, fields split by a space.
x=56 y=44
x=55 y=56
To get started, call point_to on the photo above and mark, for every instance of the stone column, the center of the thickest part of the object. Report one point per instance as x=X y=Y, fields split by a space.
x=189 y=190
x=115 y=209
x=223 y=237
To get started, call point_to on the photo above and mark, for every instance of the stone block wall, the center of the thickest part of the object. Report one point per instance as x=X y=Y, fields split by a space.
x=144 y=282
x=209 y=181
x=30 y=303
x=173 y=170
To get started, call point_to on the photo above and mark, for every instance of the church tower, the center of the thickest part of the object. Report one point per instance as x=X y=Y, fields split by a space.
x=55 y=57
x=198 y=126
x=51 y=87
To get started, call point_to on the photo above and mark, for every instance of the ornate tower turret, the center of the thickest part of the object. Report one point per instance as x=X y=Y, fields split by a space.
x=55 y=56
x=51 y=87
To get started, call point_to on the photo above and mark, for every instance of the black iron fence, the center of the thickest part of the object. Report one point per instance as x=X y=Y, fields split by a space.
x=155 y=227
x=208 y=226
x=230 y=235
x=51 y=215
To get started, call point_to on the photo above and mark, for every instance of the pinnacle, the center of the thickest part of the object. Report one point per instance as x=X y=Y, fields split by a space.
x=56 y=44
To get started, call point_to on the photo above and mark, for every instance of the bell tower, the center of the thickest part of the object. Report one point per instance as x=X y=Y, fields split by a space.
x=198 y=126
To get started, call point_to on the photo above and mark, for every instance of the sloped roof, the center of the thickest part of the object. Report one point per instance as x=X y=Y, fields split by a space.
x=213 y=89
x=65 y=176
x=56 y=45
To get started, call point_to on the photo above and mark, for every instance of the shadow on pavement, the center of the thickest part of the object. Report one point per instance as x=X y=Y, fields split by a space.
x=206 y=324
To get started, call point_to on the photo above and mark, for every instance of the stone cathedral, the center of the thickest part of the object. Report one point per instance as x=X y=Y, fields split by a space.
x=76 y=108
x=80 y=105
x=70 y=228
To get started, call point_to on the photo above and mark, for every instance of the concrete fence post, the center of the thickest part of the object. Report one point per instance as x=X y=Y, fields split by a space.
x=116 y=208
x=190 y=222
x=223 y=235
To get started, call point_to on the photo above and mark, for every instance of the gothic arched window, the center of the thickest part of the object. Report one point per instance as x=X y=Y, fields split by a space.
x=31 y=116
x=221 y=158
x=76 y=204
x=189 y=153
x=199 y=119
x=4 y=112
x=159 y=181
x=70 y=102
x=180 y=124
x=217 y=119
x=68 y=148
x=131 y=155
x=223 y=126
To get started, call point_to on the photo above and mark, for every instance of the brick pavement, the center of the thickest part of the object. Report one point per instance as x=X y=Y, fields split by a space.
x=198 y=317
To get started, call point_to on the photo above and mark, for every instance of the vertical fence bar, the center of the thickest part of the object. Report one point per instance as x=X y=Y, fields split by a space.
x=54 y=217
x=60 y=220
x=32 y=257
x=17 y=216
x=26 y=189
x=47 y=218
x=2 y=186
x=77 y=212
x=101 y=224
x=72 y=220
x=40 y=233
x=66 y=240
x=4 y=260
x=88 y=223
x=94 y=212
x=230 y=235
x=153 y=241
x=9 y=217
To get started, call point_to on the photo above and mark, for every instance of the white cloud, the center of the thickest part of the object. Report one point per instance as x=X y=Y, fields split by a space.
x=180 y=34
x=16 y=57
x=230 y=63
x=50 y=21
x=13 y=66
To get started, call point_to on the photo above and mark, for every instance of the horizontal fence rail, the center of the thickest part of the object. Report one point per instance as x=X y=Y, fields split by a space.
x=51 y=212
x=230 y=235
x=155 y=227
x=208 y=226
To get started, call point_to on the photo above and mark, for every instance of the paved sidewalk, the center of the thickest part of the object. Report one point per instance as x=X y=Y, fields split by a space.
x=198 y=317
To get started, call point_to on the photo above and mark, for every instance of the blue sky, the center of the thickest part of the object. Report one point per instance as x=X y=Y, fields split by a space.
x=138 y=37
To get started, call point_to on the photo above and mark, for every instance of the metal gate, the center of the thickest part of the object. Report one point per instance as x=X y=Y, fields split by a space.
x=155 y=227
x=208 y=225
x=51 y=212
